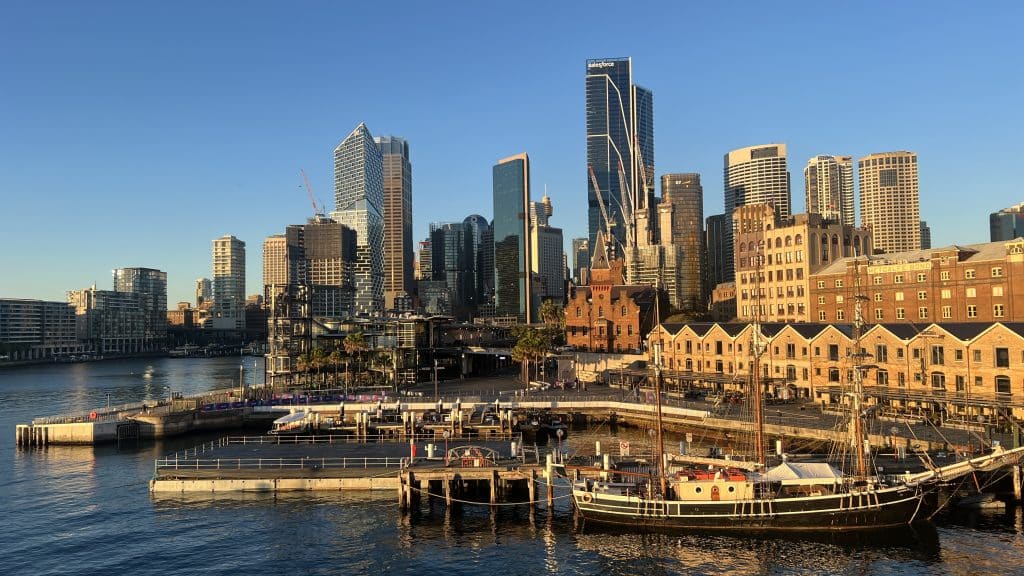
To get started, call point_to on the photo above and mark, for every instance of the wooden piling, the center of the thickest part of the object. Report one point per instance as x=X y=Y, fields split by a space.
x=532 y=488
x=1017 y=483
x=494 y=487
x=448 y=490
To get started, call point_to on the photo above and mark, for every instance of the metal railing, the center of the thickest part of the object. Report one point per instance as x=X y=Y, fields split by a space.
x=300 y=463
x=353 y=439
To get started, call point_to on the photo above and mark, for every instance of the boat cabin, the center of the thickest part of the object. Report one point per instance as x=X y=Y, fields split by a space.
x=712 y=485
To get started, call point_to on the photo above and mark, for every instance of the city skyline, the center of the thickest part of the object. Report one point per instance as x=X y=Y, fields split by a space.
x=211 y=136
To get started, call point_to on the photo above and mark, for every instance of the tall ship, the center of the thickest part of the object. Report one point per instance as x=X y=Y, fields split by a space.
x=718 y=494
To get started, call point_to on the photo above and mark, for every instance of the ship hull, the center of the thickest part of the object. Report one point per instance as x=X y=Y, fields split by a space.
x=867 y=510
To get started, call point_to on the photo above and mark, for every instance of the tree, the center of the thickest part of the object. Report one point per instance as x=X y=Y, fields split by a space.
x=355 y=344
x=531 y=345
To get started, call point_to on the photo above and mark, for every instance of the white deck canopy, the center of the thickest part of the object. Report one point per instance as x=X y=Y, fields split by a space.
x=803 y=473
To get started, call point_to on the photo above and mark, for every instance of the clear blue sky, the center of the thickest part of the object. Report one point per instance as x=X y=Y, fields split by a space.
x=134 y=133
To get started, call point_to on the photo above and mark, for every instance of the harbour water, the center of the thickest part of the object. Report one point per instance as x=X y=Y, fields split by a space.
x=85 y=510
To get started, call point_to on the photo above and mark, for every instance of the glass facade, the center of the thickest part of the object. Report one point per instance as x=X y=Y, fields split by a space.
x=511 y=187
x=620 y=133
x=683 y=198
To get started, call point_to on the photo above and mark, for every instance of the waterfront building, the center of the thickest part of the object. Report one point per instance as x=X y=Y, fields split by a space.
x=512 y=268
x=359 y=201
x=228 y=312
x=775 y=258
x=36 y=330
x=609 y=315
x=828 y=184
x=151 y=285
x=620 y=137
x=889 y=203
x=398 y=256
x=109 y=322
x=681 y=224
x=926 y=236
x=951 y=372
x=1007 y=223
x=754 y=175
x=972 y=283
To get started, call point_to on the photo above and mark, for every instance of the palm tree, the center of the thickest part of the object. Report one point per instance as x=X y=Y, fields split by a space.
x=318 y=360
x=355 y=344
x=334 y=360
x=530 y=346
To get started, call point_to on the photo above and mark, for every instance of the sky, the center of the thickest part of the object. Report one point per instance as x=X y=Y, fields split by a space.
x=135 y=133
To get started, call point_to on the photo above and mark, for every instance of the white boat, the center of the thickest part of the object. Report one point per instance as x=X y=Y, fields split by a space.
x=290 y=424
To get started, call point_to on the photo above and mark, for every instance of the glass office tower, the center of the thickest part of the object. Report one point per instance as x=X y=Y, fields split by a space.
x=511 y=185
x=620 y=136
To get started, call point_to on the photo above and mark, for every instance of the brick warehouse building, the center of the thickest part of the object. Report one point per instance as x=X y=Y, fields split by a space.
x=974 y=283
x=956 y=372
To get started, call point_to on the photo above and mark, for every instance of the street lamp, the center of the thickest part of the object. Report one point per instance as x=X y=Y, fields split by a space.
x=435 y=379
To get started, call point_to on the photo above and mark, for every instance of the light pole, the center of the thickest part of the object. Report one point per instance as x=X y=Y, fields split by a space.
x=435 y=379
x=241 y=381
x=108 y=400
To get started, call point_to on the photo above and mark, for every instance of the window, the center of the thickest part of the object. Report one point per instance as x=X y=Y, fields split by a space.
x=997 y=272
x=938 y=381
x=977 y=355
x=877 y=280
x=897 y=279
x=899 y=296
x=840 y=315
x=878 y=296
x=969 y=273
x=821 y=299
x=915 y=353
x=972 y=292
x=881 y=353
x=1002 y=357
x=578 y=313
x=623 y=312
x=821 y=315
x=839 y=283
x=629 y=329
x=922 y=312
x=821 y=283
x=972 y=311
x=879 y=314
x=840 y=299
x=833 y=374
x=922 y=277
x=938 y=355
x=1002 y=385
x=961 y=383
x=997 y=290
x=944 y=275
x=947 y=311
x=901 y=379
x=718 y=347
x=899 y=352
x=600 y=311
x=922 y=295
x=958 y=355
x=947 y=294
x=689 y=347
x=618 y=329
x=833 y=352
x=882 y=378
x=997 y=310
x=900 y=314
x=790 y=350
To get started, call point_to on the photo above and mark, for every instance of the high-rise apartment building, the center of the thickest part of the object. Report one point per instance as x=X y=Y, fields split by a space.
x=109 y=322
x=1007 y=224
x=204 y=292
x=398 y=257
x=681 y=224
x=228 y=311
x=620 y=137
x=513 y=288
x=828 y=184
x=36 y=330
x=151 y=285
x=889 y=202
x=754 y=175
x=359 y=205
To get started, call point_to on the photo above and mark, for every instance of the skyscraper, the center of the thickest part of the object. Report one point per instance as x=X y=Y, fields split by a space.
x=682 y=224
x=398 y=257
x=475 y=228
x=620 y=137
x=926 y=236
x=228 y=284
x=511 y=188
x=580 y=261
x=754 y=175
x=889 y=202
x=359 y=201
x=715 y=234
x=547 y=256
x=151 y=286
x=1007 y=224
x=828 y=184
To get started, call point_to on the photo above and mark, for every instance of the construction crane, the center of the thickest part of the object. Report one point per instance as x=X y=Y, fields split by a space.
x=309 y=190
x=600 y=202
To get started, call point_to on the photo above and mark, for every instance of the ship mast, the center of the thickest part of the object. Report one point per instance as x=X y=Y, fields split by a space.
x=756 y=348
x=662 y=472
x=857 y=421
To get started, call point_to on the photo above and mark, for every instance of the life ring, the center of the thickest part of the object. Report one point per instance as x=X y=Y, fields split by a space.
x=92 y=415
x=587 y=498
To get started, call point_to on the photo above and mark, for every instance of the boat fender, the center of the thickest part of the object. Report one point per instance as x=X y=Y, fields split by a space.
x=92 y=415
x=587 y=498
